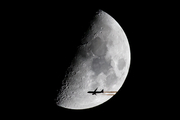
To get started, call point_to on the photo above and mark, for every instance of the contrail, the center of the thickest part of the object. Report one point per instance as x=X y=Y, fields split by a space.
x=109 y=92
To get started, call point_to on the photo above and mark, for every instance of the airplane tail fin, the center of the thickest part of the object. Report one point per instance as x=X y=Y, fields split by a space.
x=102 y=90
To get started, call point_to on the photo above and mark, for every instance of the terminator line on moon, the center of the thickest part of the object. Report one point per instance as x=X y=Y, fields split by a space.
x=102 y=61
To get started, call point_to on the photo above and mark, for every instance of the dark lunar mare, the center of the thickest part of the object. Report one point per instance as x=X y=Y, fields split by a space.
x=121 y=63
x=98 y=47
x=100 y=65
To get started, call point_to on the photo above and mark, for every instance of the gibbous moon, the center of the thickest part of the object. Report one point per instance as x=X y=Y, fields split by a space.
x=102 y=62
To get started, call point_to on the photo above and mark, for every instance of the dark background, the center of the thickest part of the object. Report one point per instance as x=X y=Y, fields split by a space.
x=43 y=39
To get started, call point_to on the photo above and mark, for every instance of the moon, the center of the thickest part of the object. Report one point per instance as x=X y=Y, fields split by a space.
x=102 y=62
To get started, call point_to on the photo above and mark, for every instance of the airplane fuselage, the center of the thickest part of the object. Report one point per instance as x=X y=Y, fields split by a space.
x=94 y=92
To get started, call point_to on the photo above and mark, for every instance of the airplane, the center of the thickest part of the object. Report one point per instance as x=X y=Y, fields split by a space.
x=95 y=91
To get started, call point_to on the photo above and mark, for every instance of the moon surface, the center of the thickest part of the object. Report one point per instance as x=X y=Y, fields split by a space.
x=102 y=61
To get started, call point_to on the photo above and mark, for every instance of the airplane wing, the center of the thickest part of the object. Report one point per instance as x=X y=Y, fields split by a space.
x=95 y=89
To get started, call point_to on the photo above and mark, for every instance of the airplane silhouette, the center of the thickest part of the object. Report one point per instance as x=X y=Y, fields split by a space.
x=95 y=91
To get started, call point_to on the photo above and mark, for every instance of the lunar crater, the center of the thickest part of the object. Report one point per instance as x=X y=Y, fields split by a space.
x=84 y=52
